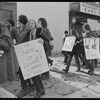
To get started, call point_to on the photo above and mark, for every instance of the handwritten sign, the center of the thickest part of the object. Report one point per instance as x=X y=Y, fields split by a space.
x=91 y=46
x=31 y=58
x=69 y=43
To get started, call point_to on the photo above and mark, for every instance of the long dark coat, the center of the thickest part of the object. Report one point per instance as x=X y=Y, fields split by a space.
x=7 y=72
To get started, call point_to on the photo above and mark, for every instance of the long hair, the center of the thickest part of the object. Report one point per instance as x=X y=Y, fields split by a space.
x=33 y=21
x=43 y=22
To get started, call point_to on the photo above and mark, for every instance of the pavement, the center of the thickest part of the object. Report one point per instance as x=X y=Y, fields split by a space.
x=60 y=84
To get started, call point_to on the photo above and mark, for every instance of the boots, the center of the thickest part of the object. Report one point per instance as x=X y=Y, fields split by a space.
x=39 y=86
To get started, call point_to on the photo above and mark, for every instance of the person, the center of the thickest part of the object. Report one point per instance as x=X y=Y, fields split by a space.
x=44 y=33
x=65 y=52
x=36 y=79
x=74 y=52
x=6 y=70
x=13 y=31
x=23 y=36
x=88 y=34
x=10 y=24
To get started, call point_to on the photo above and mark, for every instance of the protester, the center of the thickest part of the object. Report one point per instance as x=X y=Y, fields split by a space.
x=65 y=52
x=6 y=68
x=74 y=52
x=14 y=35
x=23 y=36
x=88 y=34
x=36 y=79
x=44 y=33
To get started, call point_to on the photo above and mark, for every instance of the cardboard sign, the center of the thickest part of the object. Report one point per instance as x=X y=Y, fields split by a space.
x=91 y=46
x=32 y=59
x=68 y=44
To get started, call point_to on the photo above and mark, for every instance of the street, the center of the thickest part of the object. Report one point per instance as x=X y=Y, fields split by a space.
x=64 y=85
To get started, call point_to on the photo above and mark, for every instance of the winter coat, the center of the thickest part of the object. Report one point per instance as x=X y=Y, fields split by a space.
x=46 y=36
x=7 y=72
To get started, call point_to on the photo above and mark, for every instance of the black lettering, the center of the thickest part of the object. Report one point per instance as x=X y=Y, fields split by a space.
x=94 y=46
x=87 y=46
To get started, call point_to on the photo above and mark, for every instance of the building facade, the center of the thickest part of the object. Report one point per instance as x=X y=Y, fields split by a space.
x=84 y=12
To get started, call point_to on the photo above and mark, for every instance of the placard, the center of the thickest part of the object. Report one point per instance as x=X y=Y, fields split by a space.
x=32 y=59
x=91 y=46
x=68 y=44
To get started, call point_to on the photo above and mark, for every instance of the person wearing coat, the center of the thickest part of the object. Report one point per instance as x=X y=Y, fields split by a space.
x=88 y=34
x=36 y=79
x=7 y=72
x=23 y=36
x=44 y=33
x=75 y=52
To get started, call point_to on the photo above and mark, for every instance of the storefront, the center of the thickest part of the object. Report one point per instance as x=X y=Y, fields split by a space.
x=84 y=13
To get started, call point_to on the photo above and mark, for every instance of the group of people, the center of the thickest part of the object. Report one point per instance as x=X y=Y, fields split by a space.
x=27 y=30
x=78 y=49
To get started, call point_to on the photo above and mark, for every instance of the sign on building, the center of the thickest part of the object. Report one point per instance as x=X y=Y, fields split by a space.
x=69 y=43
x=31 y=58
x=86 y=8
x=91 y=46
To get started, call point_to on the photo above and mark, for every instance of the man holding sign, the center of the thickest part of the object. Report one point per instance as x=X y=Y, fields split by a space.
x=89 y=56
x=29 y=57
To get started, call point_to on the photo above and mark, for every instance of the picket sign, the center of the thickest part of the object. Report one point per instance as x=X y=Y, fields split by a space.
x=68 y=44
x=32 y=59
x=91 y=46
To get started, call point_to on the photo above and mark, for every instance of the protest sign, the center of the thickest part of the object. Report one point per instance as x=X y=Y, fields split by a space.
x=68 y=44
x=32 y=59
x=91 y=46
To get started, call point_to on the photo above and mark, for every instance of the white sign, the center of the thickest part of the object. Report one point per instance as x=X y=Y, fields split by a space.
x=91 y=46
x=68 y=44
x=31 y=58
x=89 y=9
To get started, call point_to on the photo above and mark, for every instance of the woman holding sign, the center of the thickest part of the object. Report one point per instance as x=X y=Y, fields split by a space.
x=36 y=79
x=44 y=33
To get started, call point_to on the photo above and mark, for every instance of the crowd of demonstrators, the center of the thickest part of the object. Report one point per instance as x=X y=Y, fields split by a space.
x=79 y=51
x=30 y=30
x=27 y=31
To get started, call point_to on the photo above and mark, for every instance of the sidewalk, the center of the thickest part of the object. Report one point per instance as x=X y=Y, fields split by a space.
x=64 y=85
